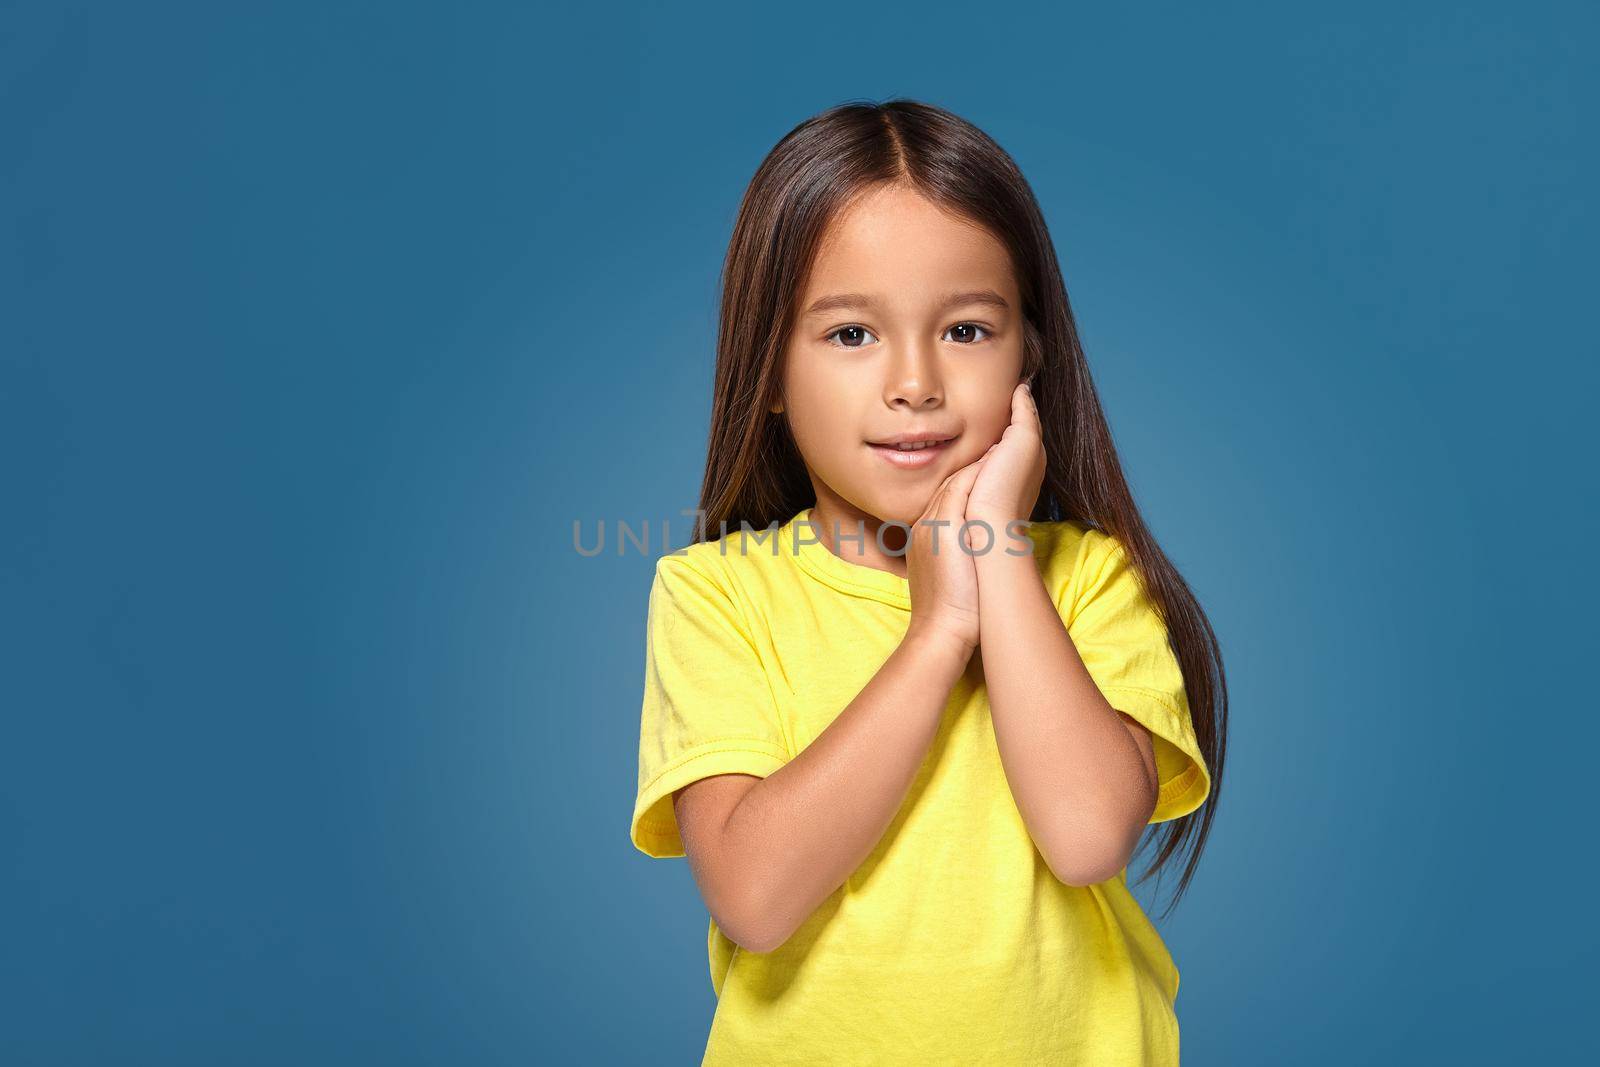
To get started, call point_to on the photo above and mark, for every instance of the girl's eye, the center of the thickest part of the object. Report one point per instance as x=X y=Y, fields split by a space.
x=856 y=332
x=970 y=326
x=850 y=330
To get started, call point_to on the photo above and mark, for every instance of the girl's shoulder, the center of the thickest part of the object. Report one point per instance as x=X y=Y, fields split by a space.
x=739 y=574
x=1061 y=538
x=719 y=560
x=1070 y=552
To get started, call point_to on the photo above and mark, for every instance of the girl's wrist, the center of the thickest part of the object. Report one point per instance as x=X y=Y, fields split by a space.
x=939 y=640
x=1006 y=536
x=991 y=514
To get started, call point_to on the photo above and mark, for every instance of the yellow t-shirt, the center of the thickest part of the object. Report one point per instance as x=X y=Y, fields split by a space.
x=952 y=943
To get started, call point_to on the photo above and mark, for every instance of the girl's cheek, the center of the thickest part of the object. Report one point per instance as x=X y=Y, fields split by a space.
x=996 y=418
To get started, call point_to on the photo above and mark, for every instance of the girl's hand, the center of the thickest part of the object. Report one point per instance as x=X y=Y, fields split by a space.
x=944 y=582
x=1013 y=468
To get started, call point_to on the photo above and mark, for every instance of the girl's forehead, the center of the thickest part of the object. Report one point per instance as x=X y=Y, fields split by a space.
x=896 y=222
x=894 y=245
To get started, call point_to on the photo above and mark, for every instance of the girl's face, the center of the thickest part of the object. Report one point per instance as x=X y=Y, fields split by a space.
x=910 y=323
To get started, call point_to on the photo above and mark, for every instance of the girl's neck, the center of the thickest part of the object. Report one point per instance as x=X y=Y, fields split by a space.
x=838 y=523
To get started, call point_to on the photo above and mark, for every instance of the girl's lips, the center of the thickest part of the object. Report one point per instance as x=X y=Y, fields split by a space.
x=912 y=460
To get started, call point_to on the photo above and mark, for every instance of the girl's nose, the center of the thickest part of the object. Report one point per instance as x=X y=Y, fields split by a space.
x=914 y=378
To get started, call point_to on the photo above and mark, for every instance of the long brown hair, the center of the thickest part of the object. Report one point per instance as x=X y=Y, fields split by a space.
x=754 y=472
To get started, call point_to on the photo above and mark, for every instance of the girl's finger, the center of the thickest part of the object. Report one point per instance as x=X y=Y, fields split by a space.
x=961 y=481
x=955 y=503
x=1030 y=409
x=960 y=490
x=936 y=501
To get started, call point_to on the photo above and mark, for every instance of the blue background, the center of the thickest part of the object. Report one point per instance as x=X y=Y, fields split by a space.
x=322 y=323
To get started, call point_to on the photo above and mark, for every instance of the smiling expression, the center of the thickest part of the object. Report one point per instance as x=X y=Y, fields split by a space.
x=910 y=327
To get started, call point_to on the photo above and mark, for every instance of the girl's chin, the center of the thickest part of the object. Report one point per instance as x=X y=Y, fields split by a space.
x=900 y=504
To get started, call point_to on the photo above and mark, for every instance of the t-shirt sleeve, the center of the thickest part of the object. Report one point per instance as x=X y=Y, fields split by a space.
x=708 y=705
x=1125 y=646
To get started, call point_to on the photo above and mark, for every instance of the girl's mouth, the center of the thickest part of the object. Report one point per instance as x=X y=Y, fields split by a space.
x=910 y=456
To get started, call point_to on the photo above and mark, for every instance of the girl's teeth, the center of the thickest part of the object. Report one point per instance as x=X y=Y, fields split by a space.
x=914 y=448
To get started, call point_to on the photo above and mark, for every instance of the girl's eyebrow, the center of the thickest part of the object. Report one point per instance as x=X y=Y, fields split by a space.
x=847 y=301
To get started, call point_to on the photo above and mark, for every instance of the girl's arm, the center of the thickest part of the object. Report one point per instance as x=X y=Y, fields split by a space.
x=796 y=835
x=793 y=837
x=1083 y=774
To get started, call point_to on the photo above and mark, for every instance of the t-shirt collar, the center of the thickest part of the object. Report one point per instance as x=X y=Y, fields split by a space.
x=817 y=560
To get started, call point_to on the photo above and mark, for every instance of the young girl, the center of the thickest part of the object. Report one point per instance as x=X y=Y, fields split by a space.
x=911 y=853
